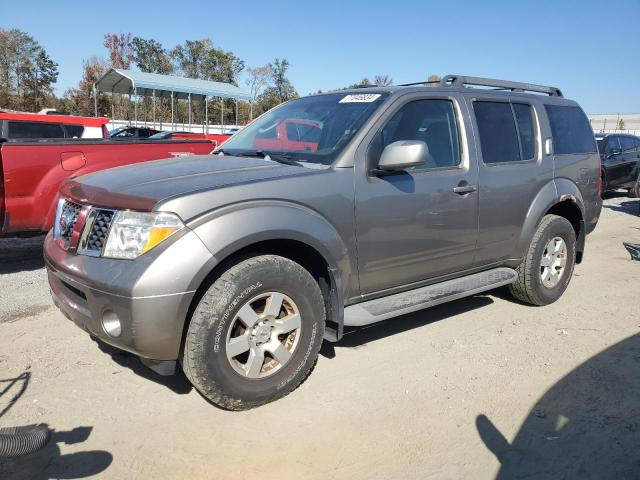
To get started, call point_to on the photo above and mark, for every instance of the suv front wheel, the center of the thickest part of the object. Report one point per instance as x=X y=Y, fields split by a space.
x=255 y=334
x=544 y=274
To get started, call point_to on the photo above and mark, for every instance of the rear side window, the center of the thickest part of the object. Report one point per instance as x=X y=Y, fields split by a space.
x=74 y=131
x=627 y=143
x=35 y=130
x=571 y=130
x=507 y=132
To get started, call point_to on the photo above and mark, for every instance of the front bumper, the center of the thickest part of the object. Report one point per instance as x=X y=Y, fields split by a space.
x=150 y=296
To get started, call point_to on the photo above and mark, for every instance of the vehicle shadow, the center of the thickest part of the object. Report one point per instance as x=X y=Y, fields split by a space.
x=49 y=462
x=357 y=336
x=586 y=426
x=18 y=254
x=177 y=383
x=631 y=207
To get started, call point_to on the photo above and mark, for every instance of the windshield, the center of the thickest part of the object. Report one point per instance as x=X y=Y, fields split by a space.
x=311 y=129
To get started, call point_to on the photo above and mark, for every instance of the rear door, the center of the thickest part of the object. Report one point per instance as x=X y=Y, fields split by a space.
x=512 y=170
x=612 y=161
x=629 y=159
x=411 y=226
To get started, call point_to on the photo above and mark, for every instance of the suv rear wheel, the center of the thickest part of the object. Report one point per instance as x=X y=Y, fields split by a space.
x=544 y=274
x=634 y=191
x=255 y=334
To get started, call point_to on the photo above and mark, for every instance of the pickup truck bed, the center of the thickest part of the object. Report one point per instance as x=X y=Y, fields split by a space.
x=31 y=172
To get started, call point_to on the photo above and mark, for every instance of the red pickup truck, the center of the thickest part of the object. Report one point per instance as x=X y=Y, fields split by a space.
x=31 y=172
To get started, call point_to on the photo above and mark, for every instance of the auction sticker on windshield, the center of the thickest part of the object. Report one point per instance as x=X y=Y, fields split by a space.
x=360 y=98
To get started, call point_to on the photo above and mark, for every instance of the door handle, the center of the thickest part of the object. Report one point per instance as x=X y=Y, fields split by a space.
x=464 y=188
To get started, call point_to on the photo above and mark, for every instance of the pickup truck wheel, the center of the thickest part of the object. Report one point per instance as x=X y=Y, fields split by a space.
x=544 y=274
x=255 y=334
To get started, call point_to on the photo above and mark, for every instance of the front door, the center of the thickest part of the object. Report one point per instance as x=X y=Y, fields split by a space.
x=412 y=226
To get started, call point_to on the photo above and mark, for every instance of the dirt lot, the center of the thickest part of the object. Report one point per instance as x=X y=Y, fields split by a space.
x=480 y=388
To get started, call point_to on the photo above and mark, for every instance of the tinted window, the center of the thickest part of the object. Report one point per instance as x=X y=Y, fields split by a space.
x=571 y=130
x=498 y=134
x=627 y=143
x=292 y=132
x=35 y=130
x=431 y=121
x=613 y=143
x=74 y=131
x=524 y=117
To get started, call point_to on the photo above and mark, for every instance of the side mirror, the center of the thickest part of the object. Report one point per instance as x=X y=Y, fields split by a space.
x=401 y=155
x=614 y=152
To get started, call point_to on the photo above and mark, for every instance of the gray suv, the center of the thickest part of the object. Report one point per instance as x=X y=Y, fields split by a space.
x=386 y=201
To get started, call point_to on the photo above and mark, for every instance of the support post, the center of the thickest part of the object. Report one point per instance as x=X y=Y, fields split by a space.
x=135 y=106
x=189 y=112
x=236 y=112
x=95 y=100
x=206 y=114
x=251 y=111
x=129 y=108
x=154 y=108
x=172 y=118
x=221 y=115
x=113 y=112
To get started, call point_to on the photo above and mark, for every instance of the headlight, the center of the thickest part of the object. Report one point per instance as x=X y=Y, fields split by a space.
x=133 y=233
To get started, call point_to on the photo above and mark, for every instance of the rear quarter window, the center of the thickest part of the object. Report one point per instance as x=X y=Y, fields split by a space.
x=570 y=129
x=35 y=130
x=74 y=131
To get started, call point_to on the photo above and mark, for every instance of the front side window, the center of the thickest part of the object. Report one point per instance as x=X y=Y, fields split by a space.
x=613 y=145
x=35 y=130
x=313 y=129
x=431 y=121
x=571 y=130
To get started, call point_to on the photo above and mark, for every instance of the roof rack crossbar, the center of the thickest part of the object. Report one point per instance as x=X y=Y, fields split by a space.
x=462 y=80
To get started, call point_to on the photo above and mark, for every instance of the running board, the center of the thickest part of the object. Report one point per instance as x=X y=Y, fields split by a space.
x=383 y=308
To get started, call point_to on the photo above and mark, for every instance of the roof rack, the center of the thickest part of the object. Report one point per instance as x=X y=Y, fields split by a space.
x=462 y=80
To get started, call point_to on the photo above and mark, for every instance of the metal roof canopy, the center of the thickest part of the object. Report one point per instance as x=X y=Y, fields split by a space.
x=142 y=83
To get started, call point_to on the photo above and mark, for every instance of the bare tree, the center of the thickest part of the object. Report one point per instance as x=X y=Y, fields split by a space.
x=382 y=80
x=120 y=49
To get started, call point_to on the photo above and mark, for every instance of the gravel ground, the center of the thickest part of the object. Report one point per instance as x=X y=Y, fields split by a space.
x=483 y=387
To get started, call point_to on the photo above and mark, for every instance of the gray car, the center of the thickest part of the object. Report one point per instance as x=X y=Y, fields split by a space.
x=389 y=200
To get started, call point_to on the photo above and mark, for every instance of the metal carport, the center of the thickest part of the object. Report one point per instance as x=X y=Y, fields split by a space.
x=129 y=82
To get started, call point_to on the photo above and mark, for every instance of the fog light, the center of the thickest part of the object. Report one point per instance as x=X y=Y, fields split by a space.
x=111 y=324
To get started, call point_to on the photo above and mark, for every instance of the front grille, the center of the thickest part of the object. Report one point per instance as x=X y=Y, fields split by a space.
x=98 y=236
x=68 y=219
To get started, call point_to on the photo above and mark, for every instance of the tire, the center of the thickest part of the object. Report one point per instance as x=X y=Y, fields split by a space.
x=530 y=286
x=221 y=322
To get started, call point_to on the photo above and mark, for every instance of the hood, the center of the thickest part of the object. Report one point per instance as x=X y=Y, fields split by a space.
x=143 y=185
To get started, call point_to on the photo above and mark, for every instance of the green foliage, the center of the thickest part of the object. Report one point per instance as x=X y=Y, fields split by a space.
x=279 y=90
x=150 y=56
x=27 y=74
x=620 y=125
x=200 y=59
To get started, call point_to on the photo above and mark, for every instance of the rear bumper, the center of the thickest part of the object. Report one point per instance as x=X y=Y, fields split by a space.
x=151 y=308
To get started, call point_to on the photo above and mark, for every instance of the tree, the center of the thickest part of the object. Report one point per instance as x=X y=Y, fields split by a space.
x=27 y=74
x=382 y=80
x=150 y=56
x=257 y=79
x=80 y=100
x=38 y=80
x=280 y=89
x=620 y=125
x=120 y=49
x=200 y=59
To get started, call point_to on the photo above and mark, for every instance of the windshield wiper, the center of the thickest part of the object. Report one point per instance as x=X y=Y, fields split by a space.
x=277 y=157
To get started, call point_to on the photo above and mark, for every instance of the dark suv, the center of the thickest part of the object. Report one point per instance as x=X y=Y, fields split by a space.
x=240 y=264
x=620 y=156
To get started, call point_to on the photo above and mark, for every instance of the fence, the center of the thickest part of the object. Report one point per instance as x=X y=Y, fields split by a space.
x=177 y=127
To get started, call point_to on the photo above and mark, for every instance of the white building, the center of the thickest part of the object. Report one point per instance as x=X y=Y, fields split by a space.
x=610 y=122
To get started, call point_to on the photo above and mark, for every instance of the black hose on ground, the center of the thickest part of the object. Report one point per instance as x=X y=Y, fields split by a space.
x=18 y=441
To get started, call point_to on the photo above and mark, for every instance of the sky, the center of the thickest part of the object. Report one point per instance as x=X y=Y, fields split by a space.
x=589 y=49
